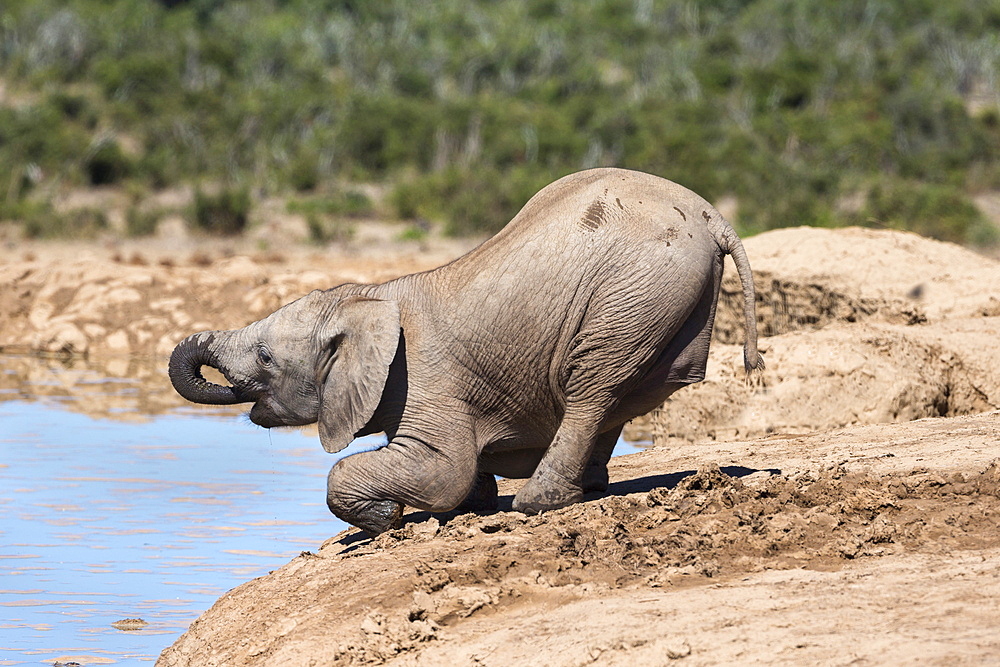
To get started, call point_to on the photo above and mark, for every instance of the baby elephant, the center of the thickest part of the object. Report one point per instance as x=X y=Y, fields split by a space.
x=523 y=358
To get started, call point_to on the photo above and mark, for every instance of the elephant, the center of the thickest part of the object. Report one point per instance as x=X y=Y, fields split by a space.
x=523 y=358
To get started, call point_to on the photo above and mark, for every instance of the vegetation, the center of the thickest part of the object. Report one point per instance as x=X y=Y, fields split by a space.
x=825 y=112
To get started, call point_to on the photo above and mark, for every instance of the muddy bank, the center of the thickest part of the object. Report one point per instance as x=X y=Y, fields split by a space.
x=865 y=373
x=672 y=564
x=807 y=278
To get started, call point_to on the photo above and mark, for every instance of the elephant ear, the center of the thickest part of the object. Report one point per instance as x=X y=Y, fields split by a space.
x=360 y=340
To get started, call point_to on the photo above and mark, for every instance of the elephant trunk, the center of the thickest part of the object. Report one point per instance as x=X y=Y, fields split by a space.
x=185 y=371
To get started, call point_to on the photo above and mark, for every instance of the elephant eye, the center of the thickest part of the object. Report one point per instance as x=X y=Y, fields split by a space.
x=264 y=356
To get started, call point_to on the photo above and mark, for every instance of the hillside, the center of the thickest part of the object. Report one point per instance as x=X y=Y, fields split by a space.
x=205 y=111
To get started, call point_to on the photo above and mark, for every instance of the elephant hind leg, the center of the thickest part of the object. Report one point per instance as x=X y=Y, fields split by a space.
x=483 y=497
x=595 y=475
x=558 y=479
x=607 y=362
x=370 y=489
x=575 y=463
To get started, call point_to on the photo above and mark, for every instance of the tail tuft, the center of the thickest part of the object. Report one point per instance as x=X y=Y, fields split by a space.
x=749 y=364
x=754 y=370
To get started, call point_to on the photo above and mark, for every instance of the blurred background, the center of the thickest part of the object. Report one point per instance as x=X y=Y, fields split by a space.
x=131 y=117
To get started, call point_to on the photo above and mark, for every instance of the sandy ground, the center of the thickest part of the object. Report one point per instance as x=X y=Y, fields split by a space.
x=843 y=509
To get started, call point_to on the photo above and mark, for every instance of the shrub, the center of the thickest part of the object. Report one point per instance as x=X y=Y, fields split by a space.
x=348 y=204
x=226 y=212
x=472 y=201
x=40 y=221
x=326 y=230
x=139 y=222
x=303 y=173
x=106 y=164
x=939 y=211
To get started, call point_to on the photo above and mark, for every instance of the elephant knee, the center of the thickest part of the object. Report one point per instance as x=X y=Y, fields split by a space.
x=337 y=496
x=435 y=484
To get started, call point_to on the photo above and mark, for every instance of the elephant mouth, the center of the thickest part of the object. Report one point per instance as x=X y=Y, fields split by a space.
x=263 y=414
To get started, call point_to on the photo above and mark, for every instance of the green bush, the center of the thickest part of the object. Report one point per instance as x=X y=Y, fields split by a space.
x=303 y=173
x=225 y=212
x=329 y=215
x=139 y=222
x=324 y=229
x=106 y=164
x=41 y=222
x=939 y=211
x=346 y=203
x=468 y=201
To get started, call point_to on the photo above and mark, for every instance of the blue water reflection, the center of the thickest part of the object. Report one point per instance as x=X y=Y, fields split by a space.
x=106 y=520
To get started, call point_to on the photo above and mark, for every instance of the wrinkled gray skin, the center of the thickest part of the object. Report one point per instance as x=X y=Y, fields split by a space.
x=523 y=358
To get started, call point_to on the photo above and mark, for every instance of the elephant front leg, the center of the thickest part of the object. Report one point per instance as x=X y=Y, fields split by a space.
x=370 y=489
x=374 y=516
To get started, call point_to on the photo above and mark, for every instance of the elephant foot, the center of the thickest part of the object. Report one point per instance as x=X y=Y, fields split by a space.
x=375 y=517
x=539 y=495
x=483 y=497
x=595 y=478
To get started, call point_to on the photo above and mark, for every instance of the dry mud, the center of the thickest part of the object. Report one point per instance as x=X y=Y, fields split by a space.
x=844 y=508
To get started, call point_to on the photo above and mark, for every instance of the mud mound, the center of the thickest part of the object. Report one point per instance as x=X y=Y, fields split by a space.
x=837 y=376
x=709 y=526
x=808 y=277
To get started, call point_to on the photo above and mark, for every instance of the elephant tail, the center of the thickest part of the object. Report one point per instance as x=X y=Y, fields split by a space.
x=731 y=245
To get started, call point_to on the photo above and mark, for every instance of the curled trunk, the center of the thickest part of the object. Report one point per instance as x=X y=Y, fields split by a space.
x=185 y=371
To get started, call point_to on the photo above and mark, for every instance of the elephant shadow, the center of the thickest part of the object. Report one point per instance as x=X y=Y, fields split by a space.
x=623 y=488
x=668 y=481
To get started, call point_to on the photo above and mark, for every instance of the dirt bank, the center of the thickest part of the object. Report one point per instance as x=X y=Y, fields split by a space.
x=805 y=518
x=860 y=327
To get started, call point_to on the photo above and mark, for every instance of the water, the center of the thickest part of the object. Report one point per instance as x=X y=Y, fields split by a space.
x=120 y=502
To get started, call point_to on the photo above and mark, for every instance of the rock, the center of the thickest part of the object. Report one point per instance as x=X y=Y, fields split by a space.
x=130 y=624
x=117 y=342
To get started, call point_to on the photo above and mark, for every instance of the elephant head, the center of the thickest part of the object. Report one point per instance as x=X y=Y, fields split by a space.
x=322 y=358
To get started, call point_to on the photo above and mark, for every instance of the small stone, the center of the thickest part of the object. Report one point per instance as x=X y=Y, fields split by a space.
x=677 y=651
x=130 y=624
x=372 y=625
